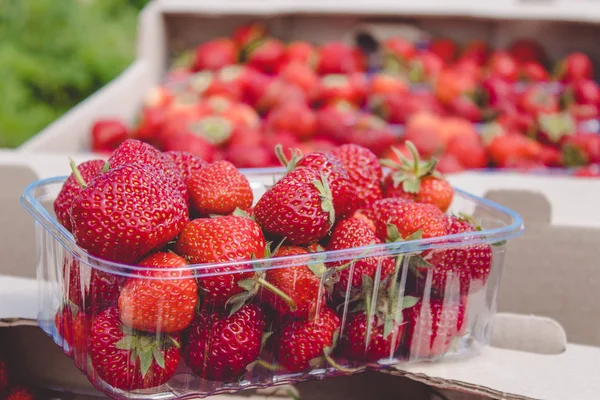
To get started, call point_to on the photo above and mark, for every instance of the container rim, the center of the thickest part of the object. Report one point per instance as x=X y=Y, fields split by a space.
x=490 y=236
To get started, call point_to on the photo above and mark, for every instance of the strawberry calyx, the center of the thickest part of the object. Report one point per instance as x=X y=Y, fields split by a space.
x=326 y=197
x=556 y=126
x=145 y=347
x=291 y=162
x=214 y=129
x=410 y=172
x=327 y=356
x=573 y=156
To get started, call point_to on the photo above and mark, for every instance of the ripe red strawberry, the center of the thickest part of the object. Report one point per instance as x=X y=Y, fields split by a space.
x=409 y=218
x=534 y=72
x=504 y=66
x=351 y=88
x=444 y=48
x=107 y=134
x=4 y=376
x=90 y=290
x=417 y=181
x=334 y=121
x=215 y=54
x=364 y=171
x=187 y=163
x=468 y=151
x=251 y=156
x=339 y=58
x=63 y=202
x=367 y=342
x=21 y=393
x=526 y=50
x=73 y=325
x=152 y=304
x=248 y=34
x=277 y=93
x=266 y=55
x=301 y=343
x=220 y=346
x=219 y=189
x=351 y=233
x=296 y=118
x=298 y=282
x=132 y=208
x=299 y=207
x=302 y=75
x=469 y=266
x=576 y=66
x=193 y=144
x=590 y=171
x=398 y=51
x=222 y=239
x=431 y=327
x=130 y=360
x=301 y=52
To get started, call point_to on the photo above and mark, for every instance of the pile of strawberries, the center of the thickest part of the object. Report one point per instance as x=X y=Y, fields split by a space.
x=275 y=300
x=9 y=390
x=235 y=98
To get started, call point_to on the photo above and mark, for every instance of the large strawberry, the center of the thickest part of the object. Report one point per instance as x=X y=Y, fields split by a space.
x=351 y=233
x=329 y=166
x=418 y=181
x=364 y=172
x=187 y=163
x=219 y=188
x=306 y=344
x=430 y=328
x=133 y=209
x=129 y=360
x=298 y=207
x=63 y=202
x=152 y=304
x=220 y=347
x=222 y=239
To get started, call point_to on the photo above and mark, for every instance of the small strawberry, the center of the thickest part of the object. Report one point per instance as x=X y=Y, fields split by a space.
x=187 y=163
x=303 y=344
x=364 y=172
x=299 y=207
x=133 y=209
x=73 y=325
x=21 y=393
x=222 y=239
x=266 y=55
x=215 y=54
x=351 y=233
x=152 y=304
x=107 y=134
x=338 y=58
x=64 y=200
x=367 y=342
x=418 y=181
x=129 y=360
x=219 y=188
x=576 y=66
x=90 y=290
x=431 y=327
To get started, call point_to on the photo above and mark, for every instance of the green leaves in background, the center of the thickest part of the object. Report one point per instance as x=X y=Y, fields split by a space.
x=53 y=54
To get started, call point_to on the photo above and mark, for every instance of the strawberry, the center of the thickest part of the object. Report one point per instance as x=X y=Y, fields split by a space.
x=506 y=150
x=589 y=171
x=364 y=172
x=70 y=189
x=367 y=342
x=21 y=393
x=219 y=188
x=129 y=360
x=400 y=108
x=186 y=163
x=250 y=156
x=299 y=207
x=469 y=265
x=265 y=55
x=372 y=133
x=334 y=121
x=301 y=52
x=4 y=376
x=73 y=326
x=296 y=118
x=192 y=144
x=159 y=305
x=398 y=52
x=504 y=66
x=526 y=50
x=382 y=83
x=475 y=52
x=107 y=134
x=538 y=99
x=90 y=290
x=303 y=288
x=303 y=76
x=425 y=67
x=576 y=66
x=133 y=208
x=426 y=131
x=534 y=72
x=277 y=93
x=246 y=35
x=215 y=54
x=302 y=344
x=348 y=234
x=581 y=149
x=444 y=48
x=431 y=327
x=468 y=151
x=220 y=347
x=222 y=239
x=418 y=181
x=338 y=58
x=351 y=88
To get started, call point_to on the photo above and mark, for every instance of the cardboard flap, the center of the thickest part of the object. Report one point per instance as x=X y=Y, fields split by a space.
x=530 y=333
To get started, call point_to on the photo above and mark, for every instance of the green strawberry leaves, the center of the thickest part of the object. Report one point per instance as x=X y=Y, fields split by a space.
x=144 y=347
x=288 y=163
x=322 y=186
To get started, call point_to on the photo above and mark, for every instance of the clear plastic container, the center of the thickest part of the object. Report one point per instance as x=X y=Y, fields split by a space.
x=434 y=325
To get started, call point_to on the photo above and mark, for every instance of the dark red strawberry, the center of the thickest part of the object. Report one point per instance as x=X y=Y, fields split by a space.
x=219 y=188
x=222 y=239
x=351 y=233
x=133 y=208
x=107 y=134
x=21 y=392
x=90 y=290
x=339 y=58
x=306 y=344
x=63 y=202
x=187 y=163
x=74 y=327
x=430 y=328
x=266 y=55
x=299 y=207
x=128 y=360
x=220 y=347
x=364 y=172
x=4 y=376
x=163 y=299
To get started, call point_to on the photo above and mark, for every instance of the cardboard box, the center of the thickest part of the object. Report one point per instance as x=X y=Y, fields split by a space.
x=551 y=270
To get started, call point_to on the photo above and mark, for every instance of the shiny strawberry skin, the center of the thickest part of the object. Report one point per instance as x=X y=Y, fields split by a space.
x=222 y=239
x=115 y=365
x=187 y=163
x=63 y=202
x=132 y=208
x=301 y=341
x=292 y=209
x=73 y=327
x=219 y=188
x=364 y=172
x=337 y=176
x=354 y=344
x=351 y=233
x=298 y=282
x=159 y=305
x=429 y=331
x=93 y=296
x=432 y=190
x=220 y=346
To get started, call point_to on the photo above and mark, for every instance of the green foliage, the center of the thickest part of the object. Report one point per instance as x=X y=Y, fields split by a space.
x=55 y=53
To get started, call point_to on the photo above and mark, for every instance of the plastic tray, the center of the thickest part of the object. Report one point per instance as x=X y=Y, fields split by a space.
x=56 y=247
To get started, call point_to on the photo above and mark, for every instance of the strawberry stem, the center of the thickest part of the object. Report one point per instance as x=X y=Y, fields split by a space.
x=266 y=365
x=77 y=173
x=415 y=153
x=337 y=366
x=275 y=290
x=290 y=163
